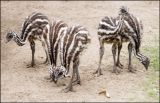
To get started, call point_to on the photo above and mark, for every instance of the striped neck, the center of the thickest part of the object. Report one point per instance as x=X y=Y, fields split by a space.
x=18 y=40
x=142 y=58
x=139 y=56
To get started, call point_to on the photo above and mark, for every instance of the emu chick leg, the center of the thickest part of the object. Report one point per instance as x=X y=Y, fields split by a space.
x=114 y=48
x=78 y=80
x=118 y=61
x=32 y=44
x=101 y=53
x=45 y=49
x=70 y=87
x=130 y=68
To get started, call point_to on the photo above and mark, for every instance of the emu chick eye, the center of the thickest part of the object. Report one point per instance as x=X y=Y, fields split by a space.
x=60 y=73
x=10 y=36
x=83 y=41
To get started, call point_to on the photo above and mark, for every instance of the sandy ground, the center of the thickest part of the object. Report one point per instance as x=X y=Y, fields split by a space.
x=19 y=83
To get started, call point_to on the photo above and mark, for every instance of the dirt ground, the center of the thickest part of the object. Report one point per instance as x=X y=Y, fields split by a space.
x=19 y=83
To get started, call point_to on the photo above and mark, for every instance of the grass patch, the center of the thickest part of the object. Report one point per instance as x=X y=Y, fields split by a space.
x=152 y=82
x=153 y=53
x=152 y=85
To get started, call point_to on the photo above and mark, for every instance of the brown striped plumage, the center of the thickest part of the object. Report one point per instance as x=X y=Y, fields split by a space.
x=36 y=26
x=124 y=28
x=66 y=43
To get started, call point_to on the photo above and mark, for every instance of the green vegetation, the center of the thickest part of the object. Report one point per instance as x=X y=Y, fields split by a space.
x=152 y=85
x=152 y=81
x=154 y=57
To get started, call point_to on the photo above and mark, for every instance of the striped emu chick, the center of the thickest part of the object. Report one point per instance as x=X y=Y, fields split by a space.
x=124 y=28
x=66 y=43
x=35 y=27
